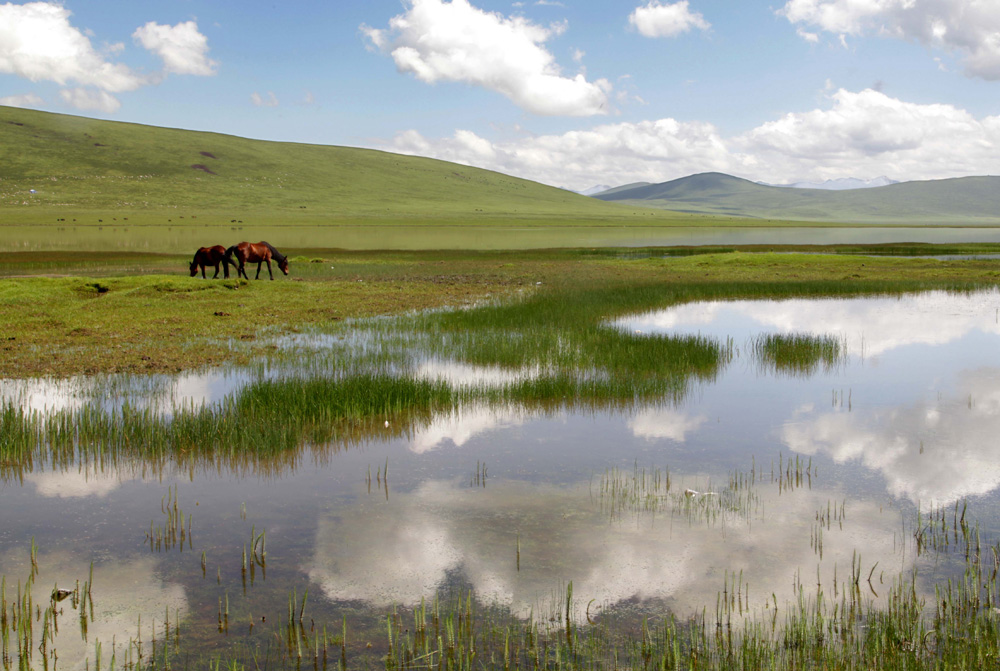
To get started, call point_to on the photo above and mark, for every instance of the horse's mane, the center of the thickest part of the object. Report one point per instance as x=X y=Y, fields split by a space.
x=278 y=256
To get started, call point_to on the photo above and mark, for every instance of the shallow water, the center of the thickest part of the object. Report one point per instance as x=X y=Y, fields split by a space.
x=514 y=502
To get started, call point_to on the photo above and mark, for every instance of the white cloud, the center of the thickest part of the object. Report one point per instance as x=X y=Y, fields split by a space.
x=862 y=133
x=614 y=153
x=25 y=100
x=90 y=99
x=261 y=101
x=456 y=42
x=183 y=49
x=872 y=133
x=659 y=20
x=807 y=36
x=968 y=27
x=38 y=43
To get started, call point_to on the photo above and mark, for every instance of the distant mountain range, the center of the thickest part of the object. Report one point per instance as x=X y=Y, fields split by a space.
x=842 y=184
x=964 y=200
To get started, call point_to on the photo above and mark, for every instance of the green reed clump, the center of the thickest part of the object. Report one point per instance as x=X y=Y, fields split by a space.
x=798 y=354
x=266 y=418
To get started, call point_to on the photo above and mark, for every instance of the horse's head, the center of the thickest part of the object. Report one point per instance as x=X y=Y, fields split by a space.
x=194 y=267
x=283 y=265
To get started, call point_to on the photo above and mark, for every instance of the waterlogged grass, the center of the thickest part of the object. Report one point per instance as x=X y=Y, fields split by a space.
x=798 y=354
x=554 y=340
x=264 y=423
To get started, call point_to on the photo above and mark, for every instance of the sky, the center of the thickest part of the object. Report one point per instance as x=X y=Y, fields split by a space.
x=571 y=93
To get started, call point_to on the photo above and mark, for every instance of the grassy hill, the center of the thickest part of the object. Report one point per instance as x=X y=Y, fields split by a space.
x=962 y=201
x=77 y=165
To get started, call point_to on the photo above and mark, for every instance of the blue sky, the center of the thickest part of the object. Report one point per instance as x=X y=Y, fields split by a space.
x=571 y=93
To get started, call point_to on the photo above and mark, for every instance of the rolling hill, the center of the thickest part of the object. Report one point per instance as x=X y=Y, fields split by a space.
x=53 y=163
x=960 y=201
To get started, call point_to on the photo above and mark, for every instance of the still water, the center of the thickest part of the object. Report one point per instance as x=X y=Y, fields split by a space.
x=170 y=239
x=514 y=503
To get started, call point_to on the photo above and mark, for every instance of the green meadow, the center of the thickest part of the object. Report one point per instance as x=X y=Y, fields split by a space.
x=133 y=314
x=90 y=172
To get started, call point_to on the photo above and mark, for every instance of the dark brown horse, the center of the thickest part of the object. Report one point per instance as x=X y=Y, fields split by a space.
x=210 y=256
x=256 y=252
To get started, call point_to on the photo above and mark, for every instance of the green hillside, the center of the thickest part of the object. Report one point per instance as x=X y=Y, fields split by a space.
x=77 y=165
x=965 y=201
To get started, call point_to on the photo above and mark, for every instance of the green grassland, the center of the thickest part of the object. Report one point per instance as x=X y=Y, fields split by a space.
x=104 y=317
x=84 y=170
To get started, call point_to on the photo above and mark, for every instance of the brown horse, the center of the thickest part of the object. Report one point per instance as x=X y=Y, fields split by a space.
x=210 y=256
x=259 y=252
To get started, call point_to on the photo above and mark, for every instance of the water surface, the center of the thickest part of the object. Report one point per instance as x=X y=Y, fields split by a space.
x=512 y=501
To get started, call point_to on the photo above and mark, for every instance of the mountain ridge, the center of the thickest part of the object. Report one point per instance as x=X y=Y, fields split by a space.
x=55 y=163
x=958 y=200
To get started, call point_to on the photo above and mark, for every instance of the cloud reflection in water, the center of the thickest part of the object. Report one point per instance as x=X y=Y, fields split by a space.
x=125 y=592
x=869 y=326
x=931 y=451
x=399 y=551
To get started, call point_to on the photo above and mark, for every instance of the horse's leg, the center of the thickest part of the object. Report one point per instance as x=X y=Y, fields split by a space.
x=216 y=270
x=270 y=274
x=257 y=276
x=203 y=273
x=243 y=271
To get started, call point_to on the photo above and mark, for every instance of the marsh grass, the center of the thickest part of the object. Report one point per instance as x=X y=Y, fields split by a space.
x=455 y=630
x=345 y=391
x=798 y=354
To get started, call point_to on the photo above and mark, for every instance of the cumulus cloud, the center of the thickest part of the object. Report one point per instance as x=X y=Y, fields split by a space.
x=39 y=43
x=183 y=49
x=454 y=41
x=967 y=27
x=25 y=100
x=659 y=20
x=90 y=99
x=881 y=133
x=866 y=133
x=619 y=153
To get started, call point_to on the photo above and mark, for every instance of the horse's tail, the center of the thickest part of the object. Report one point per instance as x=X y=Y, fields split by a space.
x=228 y=256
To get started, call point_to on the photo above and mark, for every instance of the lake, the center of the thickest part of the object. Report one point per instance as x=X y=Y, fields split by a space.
x=178 y=238
x=760 y=480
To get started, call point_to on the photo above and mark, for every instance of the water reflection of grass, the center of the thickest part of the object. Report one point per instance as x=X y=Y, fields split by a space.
x=798 y=354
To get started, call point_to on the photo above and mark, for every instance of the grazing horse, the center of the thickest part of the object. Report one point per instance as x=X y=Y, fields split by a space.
x=210 y=256
x=259 y=252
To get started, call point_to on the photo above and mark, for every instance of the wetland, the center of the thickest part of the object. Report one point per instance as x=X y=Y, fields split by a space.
x=547 y=459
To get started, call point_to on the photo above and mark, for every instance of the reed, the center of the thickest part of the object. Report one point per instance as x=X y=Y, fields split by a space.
x=798 y=354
